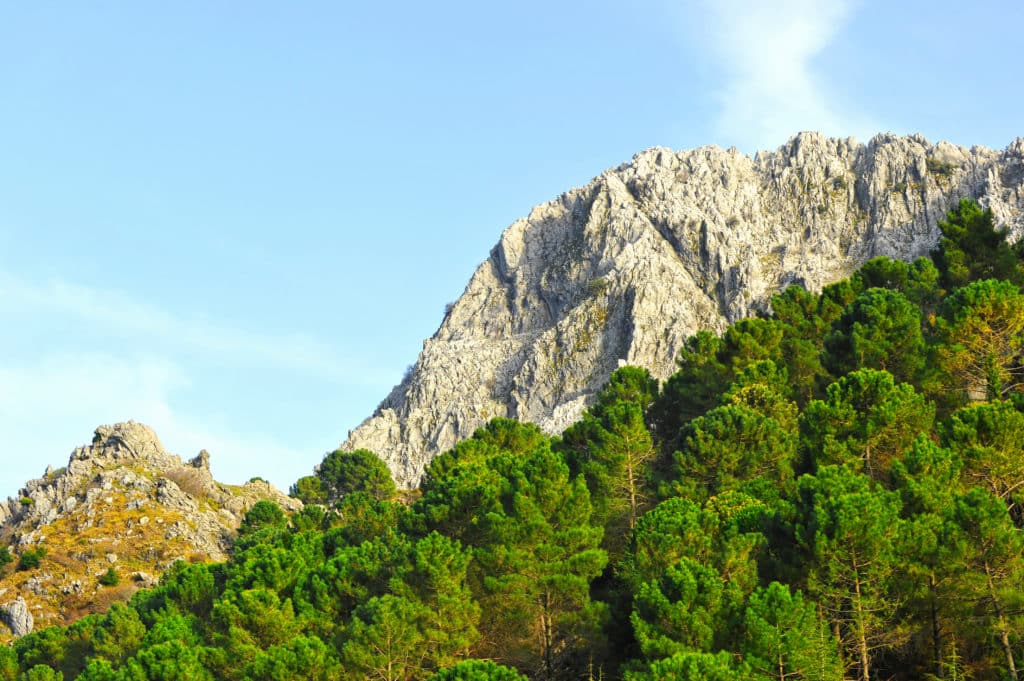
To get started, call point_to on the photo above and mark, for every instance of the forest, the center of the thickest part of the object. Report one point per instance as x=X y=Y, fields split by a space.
x=832 y=490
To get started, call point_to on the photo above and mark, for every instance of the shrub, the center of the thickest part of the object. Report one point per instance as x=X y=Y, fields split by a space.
x=110 y=577
x=5 y=557
x=30 y=558
x=597 y=286
x=940 y=168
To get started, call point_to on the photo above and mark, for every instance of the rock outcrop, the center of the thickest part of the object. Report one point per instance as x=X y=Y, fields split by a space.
x=17 y=617
x=122 y=502
x=623 y=270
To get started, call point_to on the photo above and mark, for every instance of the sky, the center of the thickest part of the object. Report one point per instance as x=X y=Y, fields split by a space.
x=236 y=222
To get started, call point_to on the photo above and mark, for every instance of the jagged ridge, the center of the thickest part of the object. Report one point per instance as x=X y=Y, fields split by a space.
x=121 y=502
x=624 y=269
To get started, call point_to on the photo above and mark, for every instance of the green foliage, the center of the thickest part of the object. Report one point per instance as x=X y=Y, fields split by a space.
x=731 y=445
x=263 y=515
x=302 y=657
x=42 y=672
x=786 y=637
x=851 y=528
x=477 y=670
x=692 y=666
x=110 y=577
x=612 y=448
x=971 y=248
x=990 y=441
x=688 y=608
x=5 y=557
x=693 y=389
x=538 y=556
x=941 y=168
x=982 y=333
x=309 y=489
x=30 y=559
x=120 y=635
x=342 y=473
x=880 y=329
x=866 y=419
x=8 y=664
x=384 y=641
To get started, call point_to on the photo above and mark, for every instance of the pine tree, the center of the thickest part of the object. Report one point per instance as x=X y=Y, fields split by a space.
x=865 y=418
x=785 y=638
x=852 y=527
x=981 y=330
x=971 y=248
x=612 y=448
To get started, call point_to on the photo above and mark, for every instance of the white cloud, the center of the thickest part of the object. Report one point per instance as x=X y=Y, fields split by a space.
x=79 y=357
x=51 y=406
x=766 y=53
x=120 y=313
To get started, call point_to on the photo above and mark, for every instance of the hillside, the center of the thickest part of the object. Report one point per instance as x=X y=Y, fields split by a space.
x=122 y=503
x=623 y=270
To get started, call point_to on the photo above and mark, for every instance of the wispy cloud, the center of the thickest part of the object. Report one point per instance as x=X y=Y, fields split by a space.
x=49 y=406
x=119 y=313
x=76 y=357
x=765 y=52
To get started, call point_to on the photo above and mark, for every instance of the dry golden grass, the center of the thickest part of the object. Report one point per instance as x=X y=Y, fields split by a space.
x=76 y=550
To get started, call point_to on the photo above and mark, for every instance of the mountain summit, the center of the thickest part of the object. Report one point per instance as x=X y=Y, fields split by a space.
x=624 y=269
x=121 y=513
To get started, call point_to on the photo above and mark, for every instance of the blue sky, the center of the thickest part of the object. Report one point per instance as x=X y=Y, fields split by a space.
x=237 y=222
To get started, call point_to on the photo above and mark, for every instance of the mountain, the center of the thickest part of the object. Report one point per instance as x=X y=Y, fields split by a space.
x=122 y=502
x=623 y=270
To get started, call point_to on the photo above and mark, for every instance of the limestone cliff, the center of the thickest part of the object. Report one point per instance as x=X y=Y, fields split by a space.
x=122 y=502
x=622 y=270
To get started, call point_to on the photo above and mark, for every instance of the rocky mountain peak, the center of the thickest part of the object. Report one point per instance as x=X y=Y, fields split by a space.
x=624 y=269
x=122 y=502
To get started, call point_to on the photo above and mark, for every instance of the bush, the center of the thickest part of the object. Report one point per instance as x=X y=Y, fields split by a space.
x=31 y=558
x=110 y=578
x=263 y=514
x=5 y=557
x=941 y=168
x=361 y=470
x=477 y=670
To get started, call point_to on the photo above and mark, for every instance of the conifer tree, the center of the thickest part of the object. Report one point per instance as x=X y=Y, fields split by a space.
x=538 y=555
x=981 y=330
x=880 y=329
x=785 y=638
x=852 y=527
x=612 y=448
x=971 y=248
x=865 y=418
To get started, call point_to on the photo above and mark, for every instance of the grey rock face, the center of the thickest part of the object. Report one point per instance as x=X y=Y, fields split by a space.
x=17 y=617
x=623 y=270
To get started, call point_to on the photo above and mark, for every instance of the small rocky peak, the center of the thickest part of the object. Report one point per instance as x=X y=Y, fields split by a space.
x=201 y=460
x=125 y=502
x=128 y=441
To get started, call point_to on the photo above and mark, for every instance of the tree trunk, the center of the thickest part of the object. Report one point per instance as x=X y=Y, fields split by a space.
x=838 y=633
x=936 y=631
x=545 y=623
x=862 y=637
x=633 y=503
x=1002 y=627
